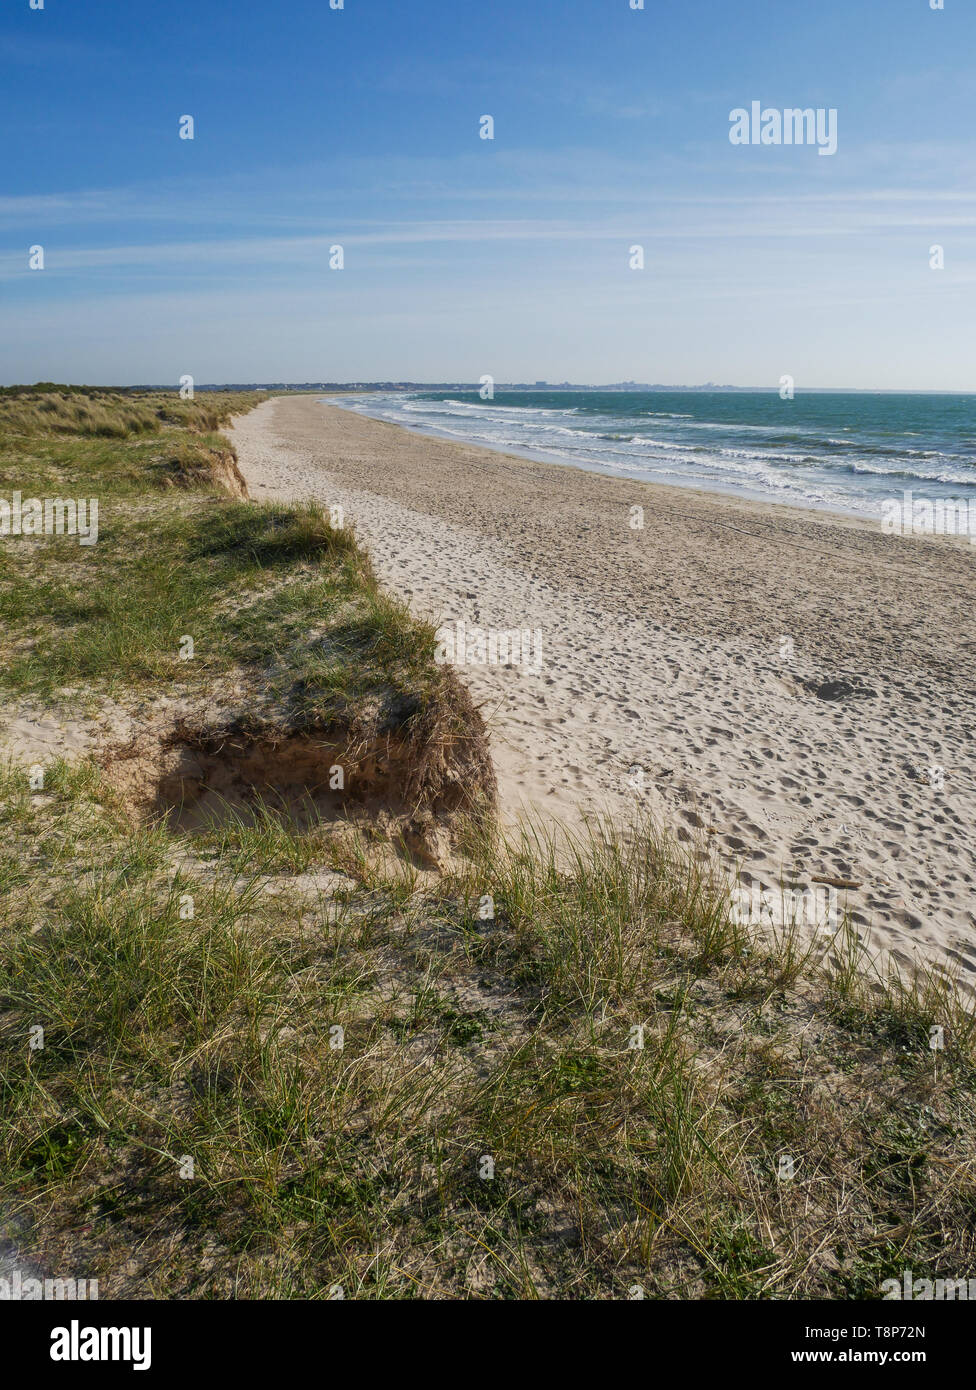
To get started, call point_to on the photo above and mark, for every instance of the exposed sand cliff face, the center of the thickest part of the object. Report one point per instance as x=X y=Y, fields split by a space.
x=793 y=688
x=194 y=465
x=420 y=783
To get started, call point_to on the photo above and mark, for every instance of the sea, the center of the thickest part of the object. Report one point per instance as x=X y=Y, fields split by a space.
x=845 y=451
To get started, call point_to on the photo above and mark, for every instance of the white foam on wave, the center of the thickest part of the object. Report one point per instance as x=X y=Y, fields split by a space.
x=604 y=443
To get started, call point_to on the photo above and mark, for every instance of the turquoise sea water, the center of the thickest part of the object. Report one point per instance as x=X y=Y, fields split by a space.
x=848 y=451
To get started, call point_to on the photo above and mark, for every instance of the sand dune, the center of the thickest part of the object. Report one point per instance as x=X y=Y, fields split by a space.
x=795 y=687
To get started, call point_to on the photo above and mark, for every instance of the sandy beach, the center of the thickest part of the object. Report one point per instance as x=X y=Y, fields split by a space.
x=793 y=688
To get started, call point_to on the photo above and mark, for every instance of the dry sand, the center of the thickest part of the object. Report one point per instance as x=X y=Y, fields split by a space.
x=699 y=649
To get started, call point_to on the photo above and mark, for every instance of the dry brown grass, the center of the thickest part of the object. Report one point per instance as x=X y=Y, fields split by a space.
x=27 y=411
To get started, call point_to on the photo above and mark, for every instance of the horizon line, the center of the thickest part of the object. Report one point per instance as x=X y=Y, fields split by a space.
x=391 y=383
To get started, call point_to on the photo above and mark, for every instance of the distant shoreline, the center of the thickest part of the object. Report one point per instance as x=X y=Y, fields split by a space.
x=348 y=389
x=829 y=459
x=540 y=456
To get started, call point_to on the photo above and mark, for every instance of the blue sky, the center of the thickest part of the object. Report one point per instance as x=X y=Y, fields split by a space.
x=463 y=256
